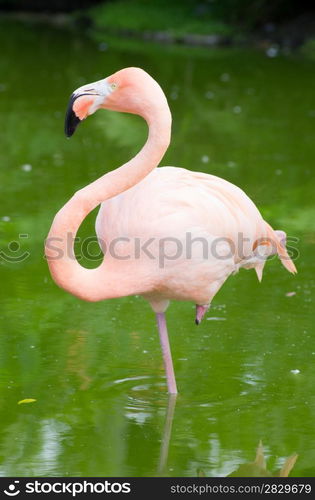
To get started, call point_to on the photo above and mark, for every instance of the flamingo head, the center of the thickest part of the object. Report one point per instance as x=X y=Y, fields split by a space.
x=130 y=90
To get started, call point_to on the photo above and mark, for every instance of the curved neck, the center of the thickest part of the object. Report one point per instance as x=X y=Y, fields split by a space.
x=132 y=172
x=108 y=280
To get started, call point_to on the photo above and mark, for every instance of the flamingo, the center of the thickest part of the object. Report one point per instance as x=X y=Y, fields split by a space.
x=168 y=233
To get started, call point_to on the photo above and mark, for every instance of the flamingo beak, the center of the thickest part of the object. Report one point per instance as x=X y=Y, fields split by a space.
x=84 y=102
x=72 y=119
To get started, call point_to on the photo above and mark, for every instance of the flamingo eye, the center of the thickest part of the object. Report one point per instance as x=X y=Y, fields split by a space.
x=113 y=86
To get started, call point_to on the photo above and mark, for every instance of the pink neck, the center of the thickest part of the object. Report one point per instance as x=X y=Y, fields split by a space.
x=108 y=280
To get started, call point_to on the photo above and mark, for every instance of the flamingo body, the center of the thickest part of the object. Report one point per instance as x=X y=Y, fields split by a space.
x=178 y=204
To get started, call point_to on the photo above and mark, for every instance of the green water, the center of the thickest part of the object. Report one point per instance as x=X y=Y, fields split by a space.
x=96 y=370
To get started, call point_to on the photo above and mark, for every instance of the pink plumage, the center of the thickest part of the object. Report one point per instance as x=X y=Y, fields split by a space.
x=168 y=233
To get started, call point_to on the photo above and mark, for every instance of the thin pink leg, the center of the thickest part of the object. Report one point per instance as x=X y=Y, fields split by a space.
x=166 y=351
x=200 y=312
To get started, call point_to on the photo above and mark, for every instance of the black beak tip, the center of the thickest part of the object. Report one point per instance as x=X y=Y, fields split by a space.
x=71 y=124
x=71 y=120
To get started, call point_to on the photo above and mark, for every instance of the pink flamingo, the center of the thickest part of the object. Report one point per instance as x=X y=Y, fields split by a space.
x=171 y=233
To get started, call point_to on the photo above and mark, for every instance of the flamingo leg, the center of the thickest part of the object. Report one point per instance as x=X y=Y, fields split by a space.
x=166 y=351
x=200 y=312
